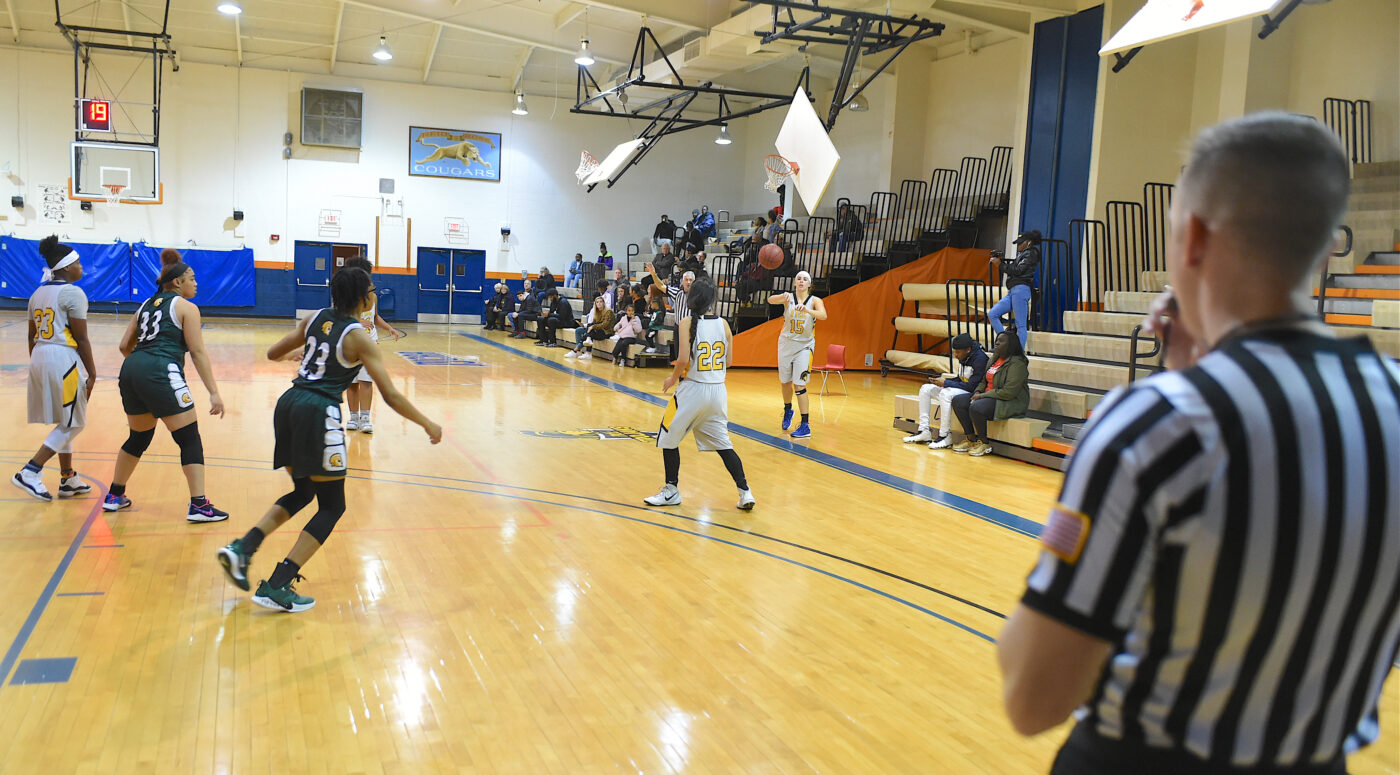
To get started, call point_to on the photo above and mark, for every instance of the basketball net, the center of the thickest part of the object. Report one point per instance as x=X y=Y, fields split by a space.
x=586 y=165
x=114 y=193
x=779 y=170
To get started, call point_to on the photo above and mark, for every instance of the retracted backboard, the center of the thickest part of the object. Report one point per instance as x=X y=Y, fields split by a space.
x=803 y=139
x=614 y=161
x=1164 y=19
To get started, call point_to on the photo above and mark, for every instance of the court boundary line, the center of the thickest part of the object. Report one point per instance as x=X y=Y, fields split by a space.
x=587 y=498
x=26 y=630
x=1015 y=523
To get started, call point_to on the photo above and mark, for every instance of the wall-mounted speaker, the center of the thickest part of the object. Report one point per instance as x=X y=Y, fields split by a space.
x=17 y=202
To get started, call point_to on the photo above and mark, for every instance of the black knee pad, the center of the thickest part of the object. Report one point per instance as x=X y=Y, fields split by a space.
x=137 y=442
x=802 y=391
x=191 y=447
x=330 y=504
x=296 y=500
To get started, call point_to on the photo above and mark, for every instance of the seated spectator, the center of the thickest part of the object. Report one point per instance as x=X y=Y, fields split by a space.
x=848 y=229
x=972 y=371
x=544 y=284
x=1003 y=394
x=527 y=308
x=605 y=291
x=704 y=223
x=665 y=261
x=656 y=320
x=663 y=234
x=557 y=314
x=497 y=307
x=604 y=257
x=622 y=297
x=597 y=326
x=528 y=286
x=639 y=298
x=575 y=277
x=629 y=331
x=692 y=237
x=774 y=228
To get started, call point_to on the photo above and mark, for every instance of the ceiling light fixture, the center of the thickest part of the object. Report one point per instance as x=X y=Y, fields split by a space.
x=583 y=57
x=383 y=54
x=724 y=138
x=520 y=109
x=229 y=7
x=858 y=105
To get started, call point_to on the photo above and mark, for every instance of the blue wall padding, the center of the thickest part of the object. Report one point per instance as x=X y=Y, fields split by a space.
x=225 y=277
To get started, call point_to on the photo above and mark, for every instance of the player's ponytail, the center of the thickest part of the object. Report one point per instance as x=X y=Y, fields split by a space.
x=349 y=287
x=699 y=299
x=172 y=267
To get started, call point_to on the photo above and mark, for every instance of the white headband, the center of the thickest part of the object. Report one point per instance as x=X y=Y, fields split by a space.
x=63 y=263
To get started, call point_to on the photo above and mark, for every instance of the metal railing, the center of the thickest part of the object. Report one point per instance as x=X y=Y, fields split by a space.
x=967 y=304
x=914 y=206
x=1351 y=120
x=973 y=179
x=1327 y=274
x=1088 y=249
x=1058 y=287
x=997 y=195
x=879 y=228
x=1126 y=245
x=1157 y=206
x=943 y=193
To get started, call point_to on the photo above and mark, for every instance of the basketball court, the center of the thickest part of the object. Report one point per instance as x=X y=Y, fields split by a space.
x=504 y=602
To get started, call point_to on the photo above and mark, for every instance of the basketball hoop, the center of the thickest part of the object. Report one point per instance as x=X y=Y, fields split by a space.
x=586 y=166
x=114 y=193
x=779 y=170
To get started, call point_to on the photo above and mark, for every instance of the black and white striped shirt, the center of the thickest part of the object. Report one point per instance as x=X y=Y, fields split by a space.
x=1234 y=530
x=679 y=303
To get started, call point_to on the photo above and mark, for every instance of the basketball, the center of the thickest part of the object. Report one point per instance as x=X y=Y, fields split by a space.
x=770 y=256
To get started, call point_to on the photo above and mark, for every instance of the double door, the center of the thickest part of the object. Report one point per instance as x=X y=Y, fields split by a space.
x=451 y=285
x=313 y=263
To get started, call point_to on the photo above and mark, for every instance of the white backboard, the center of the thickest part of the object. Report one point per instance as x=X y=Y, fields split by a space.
x=1165 y=19
x=609 y=166
x=803 y=139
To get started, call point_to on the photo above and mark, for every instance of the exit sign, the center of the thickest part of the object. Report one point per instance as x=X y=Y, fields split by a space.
x=96 y=116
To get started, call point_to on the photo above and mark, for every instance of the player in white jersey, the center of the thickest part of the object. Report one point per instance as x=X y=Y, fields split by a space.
x=801 y=311
x=700 y=404
x=360 y=395
x=61 y=371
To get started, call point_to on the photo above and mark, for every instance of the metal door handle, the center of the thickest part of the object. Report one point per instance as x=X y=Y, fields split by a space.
x=325 y=284
x=431 y=290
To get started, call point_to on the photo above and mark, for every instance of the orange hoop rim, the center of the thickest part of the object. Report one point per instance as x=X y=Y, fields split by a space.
x=114 y=192
x=780 y=165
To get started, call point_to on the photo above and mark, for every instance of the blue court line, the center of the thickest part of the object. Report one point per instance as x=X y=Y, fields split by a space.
x=958 y=503
x=63 y=566
x=27 y=629
x=646 y=509
x=79 y=594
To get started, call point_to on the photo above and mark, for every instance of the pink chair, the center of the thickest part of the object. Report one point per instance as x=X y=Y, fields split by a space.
x=835 y=362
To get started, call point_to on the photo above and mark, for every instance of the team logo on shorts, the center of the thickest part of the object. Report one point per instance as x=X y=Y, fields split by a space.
x=186 y=399
x=335 y=461
x=805 y=375
x=326 y=328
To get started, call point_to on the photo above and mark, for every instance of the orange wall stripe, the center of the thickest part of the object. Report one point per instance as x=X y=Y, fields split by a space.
x=1360 y=293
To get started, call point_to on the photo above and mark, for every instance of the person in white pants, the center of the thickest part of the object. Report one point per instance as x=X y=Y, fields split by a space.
x=972 y=369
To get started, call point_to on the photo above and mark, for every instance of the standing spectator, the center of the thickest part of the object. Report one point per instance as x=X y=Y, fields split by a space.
x=1217 y=586
x=1002 y=395
x=705 y=224
x=575 y=277
x=527 y=308
x=629 y=331
x=498 y=307
x=557 y=314
x=604 y=257
x=972 y=370
x=1019 y=275
x=663 y=234
x=597 y=326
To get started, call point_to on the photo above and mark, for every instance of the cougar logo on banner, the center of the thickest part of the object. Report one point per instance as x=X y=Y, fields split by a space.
x=454 y=153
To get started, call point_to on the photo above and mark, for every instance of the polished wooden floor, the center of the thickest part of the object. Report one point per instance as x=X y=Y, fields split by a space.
x=504 y=602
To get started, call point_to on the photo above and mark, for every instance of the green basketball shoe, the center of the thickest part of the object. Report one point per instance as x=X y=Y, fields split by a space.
x=235 y=563
x=282 y=598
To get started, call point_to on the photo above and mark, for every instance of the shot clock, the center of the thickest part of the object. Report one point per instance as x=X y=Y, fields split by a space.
x=95 y=116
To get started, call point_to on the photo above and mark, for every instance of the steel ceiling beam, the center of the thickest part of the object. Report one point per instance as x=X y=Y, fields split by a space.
x=335 y=41
x=432 y=52
x=14 y=20
x=485 y=33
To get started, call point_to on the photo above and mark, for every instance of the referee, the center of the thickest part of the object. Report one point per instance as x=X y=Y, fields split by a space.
x=1219 y=590
x=676 y=295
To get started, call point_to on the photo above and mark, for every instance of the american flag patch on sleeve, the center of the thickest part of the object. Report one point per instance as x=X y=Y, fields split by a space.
x=1064 y=535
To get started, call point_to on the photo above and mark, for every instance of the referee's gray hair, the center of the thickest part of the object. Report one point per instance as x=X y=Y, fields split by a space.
x=1278 y=182
x=691 y=275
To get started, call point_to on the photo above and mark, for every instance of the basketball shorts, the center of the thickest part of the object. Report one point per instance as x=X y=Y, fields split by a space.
x=794 y=362
x=56 y=387
x=701 y=408
x=310 y=439
x=151 y=384
x=362 y=375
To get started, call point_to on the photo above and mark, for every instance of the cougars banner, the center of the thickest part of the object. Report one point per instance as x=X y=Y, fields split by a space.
x=454 y=153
